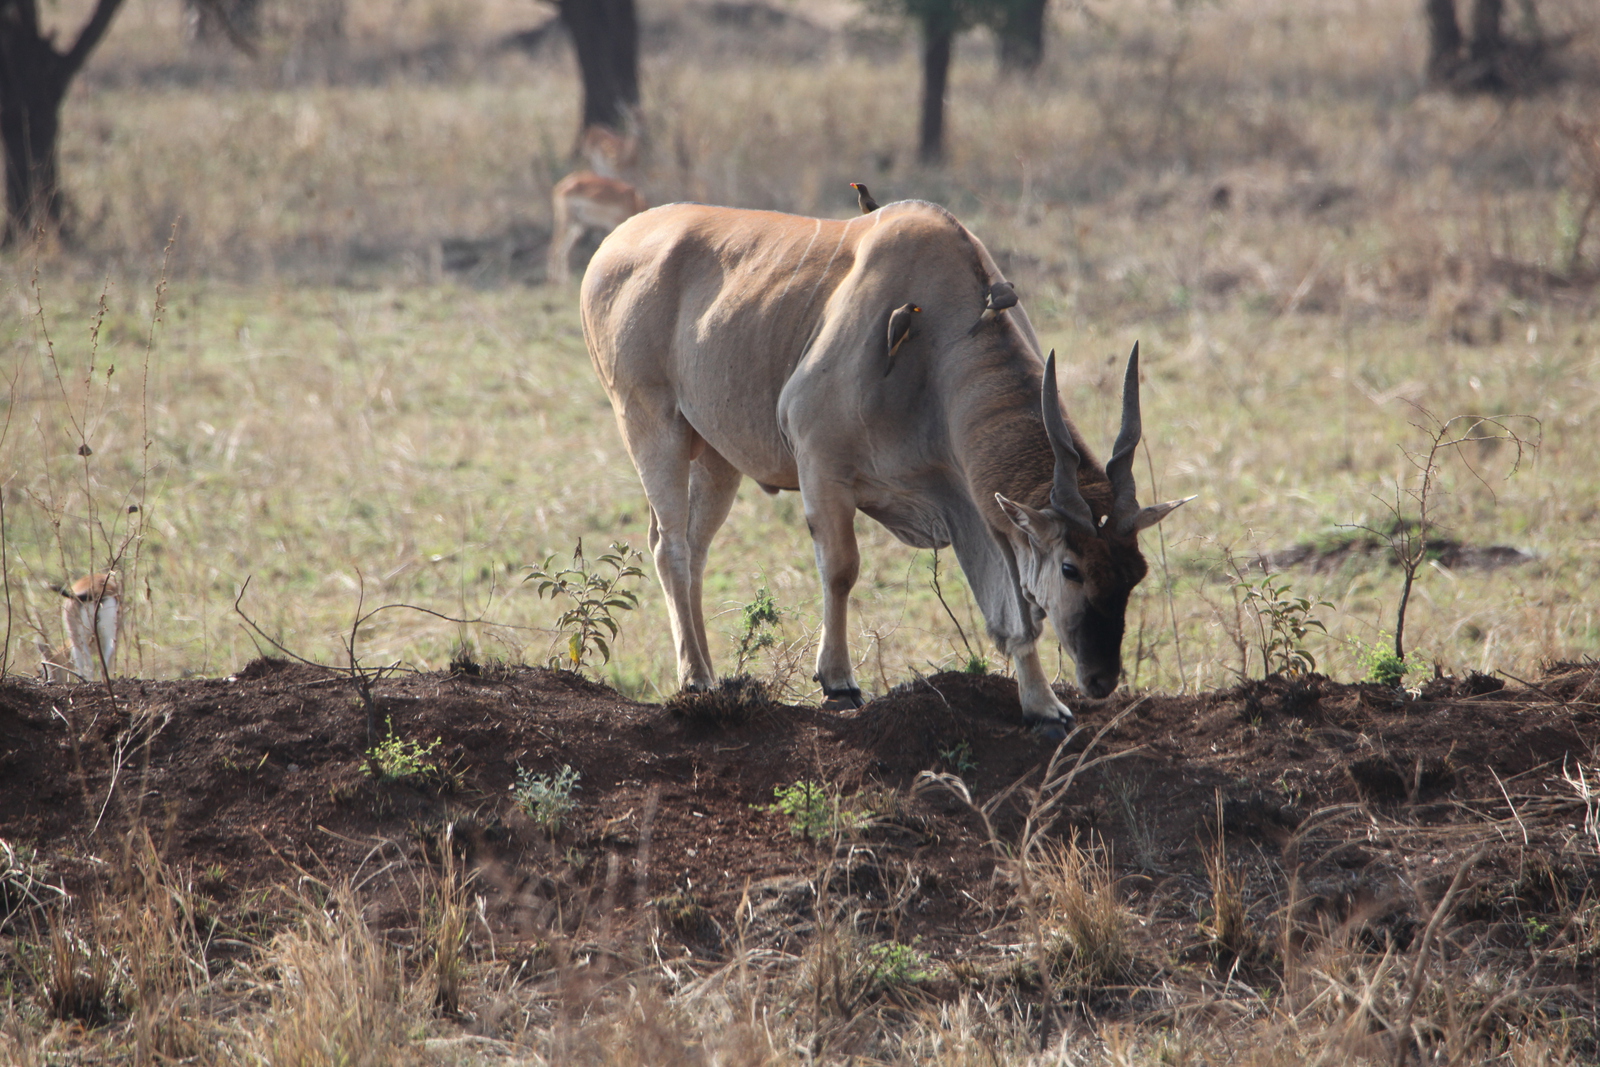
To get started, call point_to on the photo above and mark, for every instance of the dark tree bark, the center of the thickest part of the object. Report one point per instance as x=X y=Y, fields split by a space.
x=1021 y=33
x=1444 y=40
x=33 y=82
x=1487 y=60
x=236 y=22
x=938 y=36
x=1487 y=41
x=605 y=34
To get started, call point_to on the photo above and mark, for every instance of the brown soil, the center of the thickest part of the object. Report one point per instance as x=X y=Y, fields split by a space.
x=249 y=779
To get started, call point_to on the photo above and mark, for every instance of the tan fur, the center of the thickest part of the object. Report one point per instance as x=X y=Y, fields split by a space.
x=610 y=154
x=91 y=617
x=582 y=202
x=752 y=344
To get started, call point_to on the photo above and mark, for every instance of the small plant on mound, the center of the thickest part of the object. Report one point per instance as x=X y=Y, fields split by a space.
x=758 y=627
x=731 y=702
x=546 y=798
x=395 y=759
x=594 y=595
x=893 y=963
x=1282 y=623
x=1413 y=506
x=1384 y=666
x=958 y=757
x=817 y=812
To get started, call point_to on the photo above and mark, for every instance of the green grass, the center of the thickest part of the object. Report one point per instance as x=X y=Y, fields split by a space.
x=326 y=415
x=431 y=441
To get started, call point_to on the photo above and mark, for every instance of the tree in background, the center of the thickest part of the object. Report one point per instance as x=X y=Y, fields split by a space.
x=940 y=21
x=605 y=35
x=33 y=83
x=238 y=22
x=1021 y=33
x=1489 y=60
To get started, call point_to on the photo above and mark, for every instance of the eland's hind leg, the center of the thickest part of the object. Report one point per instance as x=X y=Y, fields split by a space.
x=689 y=497
x=713 y=484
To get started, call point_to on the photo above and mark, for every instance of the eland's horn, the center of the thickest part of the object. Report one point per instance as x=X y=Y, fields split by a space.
x=1119 y=469
x=1065 y=497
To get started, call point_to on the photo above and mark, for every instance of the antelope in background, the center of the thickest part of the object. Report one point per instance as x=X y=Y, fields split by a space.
x=741 y=344
x=595 y=199
x=90 y=615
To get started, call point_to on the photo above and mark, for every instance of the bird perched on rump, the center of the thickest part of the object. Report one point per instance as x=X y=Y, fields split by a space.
x=899 y=330
x=864 y=198
x=1000 y=296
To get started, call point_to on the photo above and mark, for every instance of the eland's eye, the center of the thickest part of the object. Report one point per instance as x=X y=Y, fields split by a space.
x=1070 y=572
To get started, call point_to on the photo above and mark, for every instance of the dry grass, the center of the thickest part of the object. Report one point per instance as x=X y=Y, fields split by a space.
x=1306 y=244
x=823 y=985
x=1372 y=249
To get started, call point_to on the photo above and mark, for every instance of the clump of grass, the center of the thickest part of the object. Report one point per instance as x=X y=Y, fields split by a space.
x=685 y=914
x=732 y=702
x=338 y=1002
x=1093 y=926
x=1227 y=926
x=445 y=921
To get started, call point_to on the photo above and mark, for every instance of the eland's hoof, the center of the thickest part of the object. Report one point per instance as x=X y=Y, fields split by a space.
x=1054 y=731
x=841 y=699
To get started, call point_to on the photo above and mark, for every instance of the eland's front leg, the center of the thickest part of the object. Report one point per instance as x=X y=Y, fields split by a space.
x=830 y=515
x=1041 y=708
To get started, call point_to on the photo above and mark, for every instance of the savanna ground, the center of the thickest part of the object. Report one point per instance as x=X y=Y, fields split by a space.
x=343 y=381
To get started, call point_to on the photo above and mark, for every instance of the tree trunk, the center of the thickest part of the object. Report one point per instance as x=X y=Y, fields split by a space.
x=1444 y=40
x=30 y=120
x=938 y=35
x=1487 y=41
x=605 y=34
x=211 y=22
x=1022 y=36
x=33 y=82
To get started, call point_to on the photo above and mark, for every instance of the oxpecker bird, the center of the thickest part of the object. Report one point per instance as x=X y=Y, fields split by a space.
x=864 y=198
x=899 y=330
x=1000 y=296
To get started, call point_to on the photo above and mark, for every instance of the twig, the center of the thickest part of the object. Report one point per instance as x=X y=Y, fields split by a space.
x=1536 y=688
x=939 y=592
x=1445 y=906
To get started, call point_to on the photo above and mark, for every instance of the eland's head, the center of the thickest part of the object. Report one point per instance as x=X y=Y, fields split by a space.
x=1078 y=557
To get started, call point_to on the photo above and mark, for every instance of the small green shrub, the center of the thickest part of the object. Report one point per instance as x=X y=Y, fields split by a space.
x=546 y=798
x=816 y=812
x=893 y=963
x=958 y=757
x=758 y=622
x=977 y=665
x=1282 y=623
x=595 y=596
x=395 y=759
x=1383 y=665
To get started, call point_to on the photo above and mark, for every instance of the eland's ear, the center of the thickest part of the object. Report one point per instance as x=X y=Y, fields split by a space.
x=1148 y=517
x=1039 y=526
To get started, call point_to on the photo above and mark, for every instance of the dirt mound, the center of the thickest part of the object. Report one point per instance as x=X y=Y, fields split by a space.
x=257 y=775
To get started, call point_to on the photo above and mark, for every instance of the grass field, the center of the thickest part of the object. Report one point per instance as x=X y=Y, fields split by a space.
x=257 y=340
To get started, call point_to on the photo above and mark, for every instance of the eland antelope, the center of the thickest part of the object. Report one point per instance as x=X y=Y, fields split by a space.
x=751 y=344
x=89 y=614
